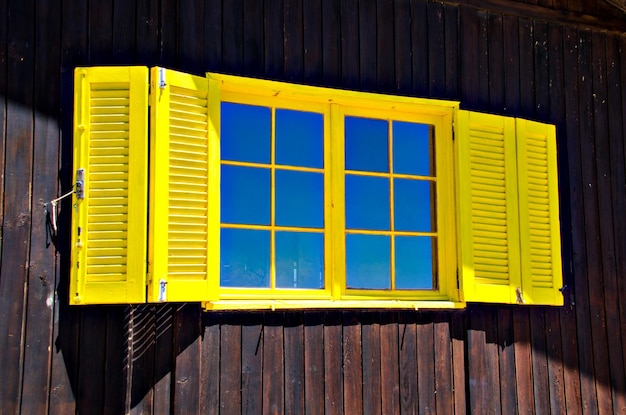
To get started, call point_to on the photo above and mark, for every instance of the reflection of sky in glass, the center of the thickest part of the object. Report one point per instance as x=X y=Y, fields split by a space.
x=245 y=258
x=367 y=202
x=245 y=195
x=412 y=205
x=299 y=260
x=367 y=144
x=299 y=199
x=299 y=138
x=367 y=261
x=245 y=132
x=414 y=262
x=411 y=148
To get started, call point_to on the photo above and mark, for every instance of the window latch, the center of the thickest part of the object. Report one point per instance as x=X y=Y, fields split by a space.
x=520 y=298
x=162 y=291
x=80 y=184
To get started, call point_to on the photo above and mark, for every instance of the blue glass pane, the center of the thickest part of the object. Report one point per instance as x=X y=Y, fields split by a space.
x=299 y=138
x=367 y=144
x=414 y=262
x=412 y=149
x=245 y=258
x=368 y=261
x=412 y=205
x=299 y=199
x=245 y=196
x=299 y=260
x=367 y=203
x=245 y=132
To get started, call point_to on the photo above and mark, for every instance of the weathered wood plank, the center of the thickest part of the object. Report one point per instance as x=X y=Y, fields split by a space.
x=230 y=364
x=314 y=375
x=619 y=229
x=252 y=365
x=142 y=358
x=402 y=46
x=452 y=52
x=539 y=361
x=232 y=41
x=274 y=42
x=606 y=223
x=523 y=367
x=385 y=68
x=426 y=391
x=371 y=361
x=293 y=41
x=253 y=64
x=187 y=330
x=470 y=68
x=100 y=33
x=506 y=340
x=273 y=364
x=164 y=358
x=443 y=363
x=484 y=389
x=587 y=68
x=496 y=63
x=17 y=204
x=294 y=363
x=459 y=368
x=407 y=336
x=436 y=50
x=147 y=23
x=42 y=267
x=331 y=42
x=366 y=42
x=556 y=384
x=350 y=53
x=511 y=76
x=333 y=358
x=352 y=365
x=124 y=38
x=190 y=45
x=389 y=363
x=209 y=376
x=213 y=35
x=168 y=34
x=312 y=38
x=116 y=360
x=419 y=49
x=91 y=363
x=579 y=290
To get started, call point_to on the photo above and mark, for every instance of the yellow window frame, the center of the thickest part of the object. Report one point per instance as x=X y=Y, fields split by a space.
x=335 y=105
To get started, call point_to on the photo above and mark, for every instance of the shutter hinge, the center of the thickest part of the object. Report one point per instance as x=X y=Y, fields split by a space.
x=162 y=291
x=79 y=186
x=162 y=81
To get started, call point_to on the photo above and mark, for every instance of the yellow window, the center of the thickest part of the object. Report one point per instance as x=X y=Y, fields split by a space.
x=272 y=195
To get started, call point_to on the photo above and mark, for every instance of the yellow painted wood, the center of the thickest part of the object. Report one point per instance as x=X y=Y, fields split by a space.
x=488 y=208
x=180 y=169
x=109 y=230
x=539 y=213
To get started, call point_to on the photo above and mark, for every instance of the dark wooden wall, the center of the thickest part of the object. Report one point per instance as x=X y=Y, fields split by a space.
x=555 y=62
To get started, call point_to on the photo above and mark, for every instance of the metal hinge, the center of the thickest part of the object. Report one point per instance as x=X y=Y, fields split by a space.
x=162 y=291
x=162 y=82
x=79 y=186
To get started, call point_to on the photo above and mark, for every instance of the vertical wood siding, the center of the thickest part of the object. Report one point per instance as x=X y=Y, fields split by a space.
x=153 y=359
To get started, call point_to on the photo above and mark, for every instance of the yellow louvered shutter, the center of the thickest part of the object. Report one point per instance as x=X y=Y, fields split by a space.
x=183 y=241
x=488 y=211
x=539 y=213
x=109 y=221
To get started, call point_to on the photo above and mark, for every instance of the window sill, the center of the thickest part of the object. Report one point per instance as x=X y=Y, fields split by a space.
x=328 y=304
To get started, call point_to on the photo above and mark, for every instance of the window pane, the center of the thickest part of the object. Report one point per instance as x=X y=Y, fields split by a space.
x=245 y=196
x=299 y=138
x=367 y=144
x=245 y=132
x=299 y=199
x=412 y=205
x=414 y=262
x=367 y=202
x=245 y=258
x=412 y=149
x=367 y=261
x=299 y=260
